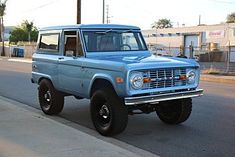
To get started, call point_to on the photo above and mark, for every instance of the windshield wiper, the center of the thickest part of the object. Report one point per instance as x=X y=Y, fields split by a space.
x=127 y=31
x=105 y=32
x=115 y=31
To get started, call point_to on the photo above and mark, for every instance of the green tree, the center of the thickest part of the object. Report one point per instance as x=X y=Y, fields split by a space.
x=18 y=34
x=162 y=23
x=2 y=13
x=28 y=26
x=231 y=18
x=25 y=32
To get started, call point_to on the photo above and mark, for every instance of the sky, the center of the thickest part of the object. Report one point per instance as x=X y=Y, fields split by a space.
x=132 y=12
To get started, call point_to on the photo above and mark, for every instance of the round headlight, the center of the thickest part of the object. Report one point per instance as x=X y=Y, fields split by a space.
x=191 y=76
x=136 y=80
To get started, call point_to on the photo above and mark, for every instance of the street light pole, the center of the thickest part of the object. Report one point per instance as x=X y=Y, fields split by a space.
x=78 y=11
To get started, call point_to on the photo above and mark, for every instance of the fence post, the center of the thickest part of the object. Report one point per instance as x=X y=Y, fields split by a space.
x=228 y=57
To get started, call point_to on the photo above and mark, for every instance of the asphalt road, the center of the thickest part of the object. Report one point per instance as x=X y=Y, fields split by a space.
x=209 y=132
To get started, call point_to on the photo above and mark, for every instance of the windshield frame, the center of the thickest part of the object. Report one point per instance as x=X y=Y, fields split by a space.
x=139 y=40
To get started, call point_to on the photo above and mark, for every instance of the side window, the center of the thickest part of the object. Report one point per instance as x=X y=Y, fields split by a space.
x=70 y=47
x=72 y=44
x=49 y=42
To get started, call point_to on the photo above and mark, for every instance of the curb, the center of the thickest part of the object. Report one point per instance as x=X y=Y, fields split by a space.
x=217 y=79
x=20 y=60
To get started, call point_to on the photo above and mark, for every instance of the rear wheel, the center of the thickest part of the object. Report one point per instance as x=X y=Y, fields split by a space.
x=51 y=101
x=175 y=111
x=108 y=113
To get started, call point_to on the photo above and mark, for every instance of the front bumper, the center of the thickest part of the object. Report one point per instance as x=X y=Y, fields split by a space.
x=162 y=97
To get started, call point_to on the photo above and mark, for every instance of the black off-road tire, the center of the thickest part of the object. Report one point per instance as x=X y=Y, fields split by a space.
x=108 y=113
x=51 y=101
x=175 y=111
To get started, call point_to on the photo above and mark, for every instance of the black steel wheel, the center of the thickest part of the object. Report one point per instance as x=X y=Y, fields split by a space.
x=108 y=113
x=51 y=101
x=175 y=111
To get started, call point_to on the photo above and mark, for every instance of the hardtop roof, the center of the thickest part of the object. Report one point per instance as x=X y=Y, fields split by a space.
x=90 y=26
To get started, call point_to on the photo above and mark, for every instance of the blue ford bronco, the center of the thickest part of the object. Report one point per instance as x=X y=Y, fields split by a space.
x=111 y=66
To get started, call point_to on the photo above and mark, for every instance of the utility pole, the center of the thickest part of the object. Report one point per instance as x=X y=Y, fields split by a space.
x=103 y=11
x=78 y=11
x=199 y=20
x=2 y=36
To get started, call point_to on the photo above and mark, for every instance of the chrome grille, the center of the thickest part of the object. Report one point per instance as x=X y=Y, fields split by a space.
x=164 y=78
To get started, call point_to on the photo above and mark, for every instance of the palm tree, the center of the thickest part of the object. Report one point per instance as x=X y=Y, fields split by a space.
x=28 y=26
x=2 y=13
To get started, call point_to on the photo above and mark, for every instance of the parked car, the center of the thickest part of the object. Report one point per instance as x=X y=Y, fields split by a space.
x=111 y=66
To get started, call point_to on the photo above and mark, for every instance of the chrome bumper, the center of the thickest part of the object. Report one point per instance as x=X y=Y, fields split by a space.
x=162 y=97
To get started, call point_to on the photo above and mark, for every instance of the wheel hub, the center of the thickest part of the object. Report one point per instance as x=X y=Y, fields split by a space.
x=104 y=112
x=47 y=96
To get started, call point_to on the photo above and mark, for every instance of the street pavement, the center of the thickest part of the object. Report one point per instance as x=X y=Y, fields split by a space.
x=27 y=133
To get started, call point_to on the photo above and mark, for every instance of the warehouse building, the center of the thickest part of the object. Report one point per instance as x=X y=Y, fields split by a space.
x=206 y=42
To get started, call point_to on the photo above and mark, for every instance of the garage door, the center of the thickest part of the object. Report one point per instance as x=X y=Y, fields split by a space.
x=190 y=40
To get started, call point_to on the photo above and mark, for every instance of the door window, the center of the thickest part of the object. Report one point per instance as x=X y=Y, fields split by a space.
x=49 y=42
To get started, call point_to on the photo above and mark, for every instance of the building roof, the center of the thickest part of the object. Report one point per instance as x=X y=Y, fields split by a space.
x=192 y=29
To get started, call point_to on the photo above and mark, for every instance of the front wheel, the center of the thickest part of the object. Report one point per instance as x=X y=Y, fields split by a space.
x=108 y=113
x=51 y=100
x=175 y=111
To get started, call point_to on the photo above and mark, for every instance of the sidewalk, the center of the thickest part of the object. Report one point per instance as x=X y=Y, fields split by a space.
x=26 y=133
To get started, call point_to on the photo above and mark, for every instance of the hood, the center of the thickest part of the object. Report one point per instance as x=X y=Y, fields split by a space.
x=146 y=60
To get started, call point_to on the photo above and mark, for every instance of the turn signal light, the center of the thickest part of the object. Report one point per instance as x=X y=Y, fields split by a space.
x=147 y=80
x=119 y=80
x=183 y=77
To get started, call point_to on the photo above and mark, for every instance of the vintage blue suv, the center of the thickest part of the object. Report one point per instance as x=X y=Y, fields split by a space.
x=111 y=66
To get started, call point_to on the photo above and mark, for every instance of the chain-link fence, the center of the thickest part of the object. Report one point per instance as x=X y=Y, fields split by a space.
x=213 y=59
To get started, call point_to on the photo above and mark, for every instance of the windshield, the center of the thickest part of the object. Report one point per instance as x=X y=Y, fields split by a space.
x=110 y=40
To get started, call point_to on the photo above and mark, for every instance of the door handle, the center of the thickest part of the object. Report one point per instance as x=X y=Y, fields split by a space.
x=60 y=58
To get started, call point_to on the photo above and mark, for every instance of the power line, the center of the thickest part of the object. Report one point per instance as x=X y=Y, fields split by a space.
x=42 y=6
x=224 y=2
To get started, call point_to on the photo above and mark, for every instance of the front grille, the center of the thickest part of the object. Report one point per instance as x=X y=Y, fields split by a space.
x=164 y=78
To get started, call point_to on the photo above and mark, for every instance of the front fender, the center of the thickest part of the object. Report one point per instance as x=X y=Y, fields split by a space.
x=104 y=77
x=36 y=77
